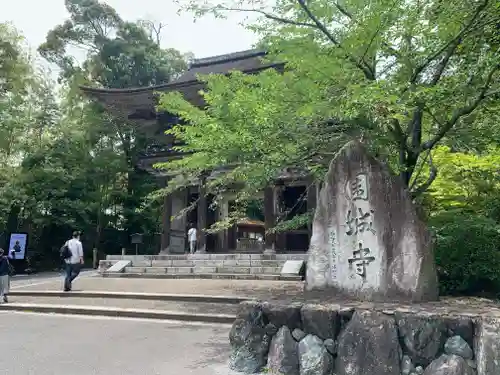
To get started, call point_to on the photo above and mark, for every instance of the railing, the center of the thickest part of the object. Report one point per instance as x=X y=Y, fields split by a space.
x=249 y=244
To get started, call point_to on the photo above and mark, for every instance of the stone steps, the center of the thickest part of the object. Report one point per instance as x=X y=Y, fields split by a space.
x=208 y=266
x=205 y=269
x=226 y=276
x=205 y=257
x=211 y=263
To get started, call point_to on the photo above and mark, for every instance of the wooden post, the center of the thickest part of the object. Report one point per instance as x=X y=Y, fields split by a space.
x=269 y=219
x=223 y=211
x=202 y=220
x=166 y=216
x=95 y=258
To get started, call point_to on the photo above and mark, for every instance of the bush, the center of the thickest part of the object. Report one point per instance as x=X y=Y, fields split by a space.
x=467 y=254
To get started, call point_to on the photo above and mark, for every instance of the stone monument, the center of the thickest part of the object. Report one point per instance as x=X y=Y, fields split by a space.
x=368 y=242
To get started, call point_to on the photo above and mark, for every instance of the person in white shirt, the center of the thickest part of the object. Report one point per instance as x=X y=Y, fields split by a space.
x=192 y=238
x=75 y=262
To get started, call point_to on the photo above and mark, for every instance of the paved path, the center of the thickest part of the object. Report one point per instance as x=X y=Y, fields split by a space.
x=47 y=345
x=242 y=288
x=192 y=307
x=53 y=279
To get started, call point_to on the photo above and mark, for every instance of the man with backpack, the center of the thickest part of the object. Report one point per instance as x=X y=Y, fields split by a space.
x=72 y=254
x=5 y=272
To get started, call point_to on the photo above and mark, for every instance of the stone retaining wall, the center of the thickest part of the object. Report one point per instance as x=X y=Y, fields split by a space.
x=307 y=339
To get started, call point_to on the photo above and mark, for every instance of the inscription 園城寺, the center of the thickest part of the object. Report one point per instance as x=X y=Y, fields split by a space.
x=360 y=259
x=359 y=188
x=359 y=222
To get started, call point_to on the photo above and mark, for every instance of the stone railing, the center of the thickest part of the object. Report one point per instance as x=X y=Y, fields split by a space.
x=308 y=339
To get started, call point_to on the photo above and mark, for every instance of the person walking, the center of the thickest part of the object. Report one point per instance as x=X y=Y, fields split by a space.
x=192 y=238
x=4 y=277
x=74 y=260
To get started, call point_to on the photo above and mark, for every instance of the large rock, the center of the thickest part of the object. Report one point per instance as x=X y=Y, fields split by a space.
x=314 y=358
x=487 y=346
x=283 y=314
x=460 y=326
x=369 y=345
x=423 y=337
x=320 y=321
x=283 y=358
x=368 y=241
x=458 y=346
x=249 y=343
x=449 y=364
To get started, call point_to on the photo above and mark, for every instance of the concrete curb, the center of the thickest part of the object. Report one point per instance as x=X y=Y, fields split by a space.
x=119 y=312
x=232 y=300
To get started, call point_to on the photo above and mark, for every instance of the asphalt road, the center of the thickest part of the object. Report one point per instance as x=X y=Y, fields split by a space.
x=33 y=344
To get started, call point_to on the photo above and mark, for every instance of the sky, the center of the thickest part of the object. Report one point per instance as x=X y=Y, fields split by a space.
x=205 y=37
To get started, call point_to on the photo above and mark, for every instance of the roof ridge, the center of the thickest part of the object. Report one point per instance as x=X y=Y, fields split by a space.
x=211 y=60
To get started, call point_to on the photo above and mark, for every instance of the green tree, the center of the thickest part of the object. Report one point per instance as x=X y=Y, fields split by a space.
x=402 y=76
x=119 y=54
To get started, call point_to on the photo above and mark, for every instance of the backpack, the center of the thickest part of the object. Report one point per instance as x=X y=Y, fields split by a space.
x=65 y=252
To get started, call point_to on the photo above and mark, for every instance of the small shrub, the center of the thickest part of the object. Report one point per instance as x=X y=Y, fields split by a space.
x=467 y=254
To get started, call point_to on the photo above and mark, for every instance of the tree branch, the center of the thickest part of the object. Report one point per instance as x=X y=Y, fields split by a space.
x=432 y=176
x=459 y=36
x=444 y=62
x=367 y=71
x=458 y=113
x=268 y=16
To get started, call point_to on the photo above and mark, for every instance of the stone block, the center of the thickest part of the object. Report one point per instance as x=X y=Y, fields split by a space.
x=249 y=343
x=368 y=241
x=135 y=269
x=238 y=270
x=293 y=267
x=179 y=270
x=271 y=270
x=283 y=358
x=423 y=337
x=462 y=326
x=161 y=263
x=256 y=270
x=369 y=345
x=156 y=270
x=314 y=359
x=320 y=321
x=119 y=266
x=448 y=365
x=487 y=346
x=202 y=269
x=283 y=314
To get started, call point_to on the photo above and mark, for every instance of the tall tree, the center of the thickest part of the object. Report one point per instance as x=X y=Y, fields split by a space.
x=403 y=76
x=119 y=54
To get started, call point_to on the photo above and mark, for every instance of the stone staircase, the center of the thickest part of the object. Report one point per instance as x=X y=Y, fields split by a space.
x=206 y=266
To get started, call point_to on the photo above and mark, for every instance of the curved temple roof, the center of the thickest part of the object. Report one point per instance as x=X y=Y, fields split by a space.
x=139 y=103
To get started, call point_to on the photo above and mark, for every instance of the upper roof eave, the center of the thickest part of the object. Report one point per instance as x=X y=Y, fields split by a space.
x=170 y=86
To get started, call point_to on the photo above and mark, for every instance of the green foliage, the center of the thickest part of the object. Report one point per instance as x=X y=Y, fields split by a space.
x=120 y=54
x=65 y=163
x=467 y=254
x=402 y=76
x=467 y=182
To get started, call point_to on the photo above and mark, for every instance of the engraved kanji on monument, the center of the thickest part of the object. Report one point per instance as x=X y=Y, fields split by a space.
x=368 y=242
